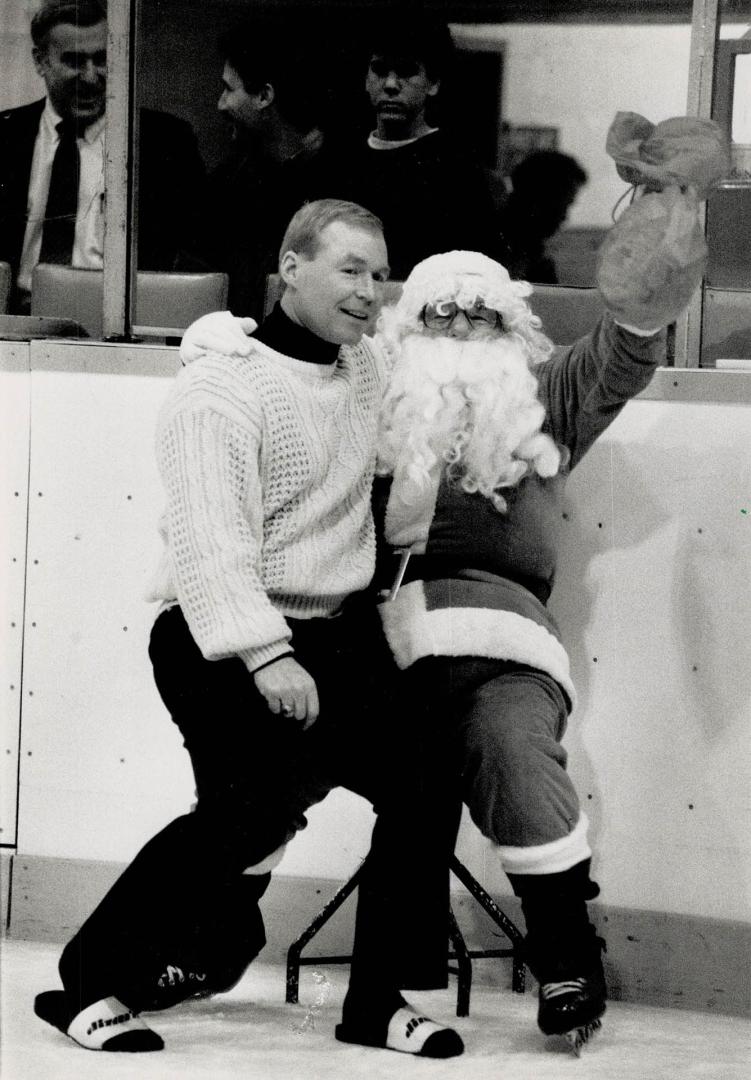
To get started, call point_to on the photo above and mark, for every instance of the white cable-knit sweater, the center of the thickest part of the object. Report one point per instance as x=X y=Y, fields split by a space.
x=267 y=463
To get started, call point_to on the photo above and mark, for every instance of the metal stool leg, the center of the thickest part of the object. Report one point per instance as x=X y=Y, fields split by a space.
x=462 y=954
x=464 y=966
x=486 y=901
x=296 y=948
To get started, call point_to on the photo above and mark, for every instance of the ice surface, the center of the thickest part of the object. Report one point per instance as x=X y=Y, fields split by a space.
x=251 y=1034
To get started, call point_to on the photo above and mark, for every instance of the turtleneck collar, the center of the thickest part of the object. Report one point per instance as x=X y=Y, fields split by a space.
x=279 y=332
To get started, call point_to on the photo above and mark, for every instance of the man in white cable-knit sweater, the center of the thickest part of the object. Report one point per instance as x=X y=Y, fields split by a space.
x=275 y=671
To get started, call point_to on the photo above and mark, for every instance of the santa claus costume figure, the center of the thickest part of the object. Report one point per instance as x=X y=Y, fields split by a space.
x=481 y=424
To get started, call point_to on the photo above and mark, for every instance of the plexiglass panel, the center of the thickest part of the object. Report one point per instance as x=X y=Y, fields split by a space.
x=726 y=336
x=212 y=193
x=511 y=89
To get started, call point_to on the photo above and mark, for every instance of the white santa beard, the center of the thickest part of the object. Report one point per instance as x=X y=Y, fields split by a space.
x=469 y=404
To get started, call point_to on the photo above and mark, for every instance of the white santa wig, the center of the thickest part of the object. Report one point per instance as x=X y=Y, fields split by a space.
x=471 y=405
x=464 y=277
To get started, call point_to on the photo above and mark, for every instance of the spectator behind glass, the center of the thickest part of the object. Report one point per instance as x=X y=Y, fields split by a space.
x=52 y=159
x=422 y=181
x=272 y=95
x=545 y=185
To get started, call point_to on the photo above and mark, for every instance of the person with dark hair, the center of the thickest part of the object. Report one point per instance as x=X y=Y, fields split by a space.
x=421 y=180
x=52 y=159
x=544 y=186
x=272 y=94
x=256 y=55
x=270 y=658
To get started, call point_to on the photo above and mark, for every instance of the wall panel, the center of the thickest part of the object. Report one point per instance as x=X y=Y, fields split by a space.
x=102 y=765
x=576 y=77
x=15 y=386
x=652 y=595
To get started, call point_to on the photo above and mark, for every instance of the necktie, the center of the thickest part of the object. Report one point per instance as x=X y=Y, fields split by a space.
x=62 y=200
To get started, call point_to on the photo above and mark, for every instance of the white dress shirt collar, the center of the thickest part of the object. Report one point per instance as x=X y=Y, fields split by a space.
x=51 y=118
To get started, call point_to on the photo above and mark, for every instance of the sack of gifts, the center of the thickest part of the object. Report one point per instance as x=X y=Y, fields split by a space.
x=654 y=257
x=683 y=150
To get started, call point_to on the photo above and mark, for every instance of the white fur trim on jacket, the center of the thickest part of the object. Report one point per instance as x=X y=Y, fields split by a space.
x=552 y=858
x=413 y=632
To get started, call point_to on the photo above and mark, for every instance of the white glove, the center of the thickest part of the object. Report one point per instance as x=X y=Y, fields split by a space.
x=651 y=262
x=219 y=332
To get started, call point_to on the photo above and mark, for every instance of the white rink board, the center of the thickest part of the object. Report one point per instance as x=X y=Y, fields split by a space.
x=102 y=764
x=661 y=748
x=655 y=583
x=15 y=384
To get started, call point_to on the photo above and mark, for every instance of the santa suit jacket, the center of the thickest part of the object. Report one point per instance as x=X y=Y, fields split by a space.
x=482 y=585
x=171 y=183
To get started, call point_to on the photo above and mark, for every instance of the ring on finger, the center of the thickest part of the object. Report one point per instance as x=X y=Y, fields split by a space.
x=288 y=710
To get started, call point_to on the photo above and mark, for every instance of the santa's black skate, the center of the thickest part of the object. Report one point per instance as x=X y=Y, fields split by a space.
x=573 y=1007
x=564 y=953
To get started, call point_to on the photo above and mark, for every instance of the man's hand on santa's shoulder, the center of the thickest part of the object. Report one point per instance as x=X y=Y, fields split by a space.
x=289 y=690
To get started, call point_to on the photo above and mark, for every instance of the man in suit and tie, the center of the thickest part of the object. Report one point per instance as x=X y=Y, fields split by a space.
x=52 y=159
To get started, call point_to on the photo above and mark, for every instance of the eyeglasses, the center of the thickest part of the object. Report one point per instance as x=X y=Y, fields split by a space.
x=442 y=316
x=402 y=67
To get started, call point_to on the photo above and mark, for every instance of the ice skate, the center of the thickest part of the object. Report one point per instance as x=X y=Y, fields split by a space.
x=573 y=1008
x=564 y=953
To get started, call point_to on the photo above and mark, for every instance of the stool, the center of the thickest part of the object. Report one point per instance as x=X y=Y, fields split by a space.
x=461 y=954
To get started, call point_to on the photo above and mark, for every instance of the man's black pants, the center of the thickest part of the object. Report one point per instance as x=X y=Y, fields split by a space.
x=183 y=916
